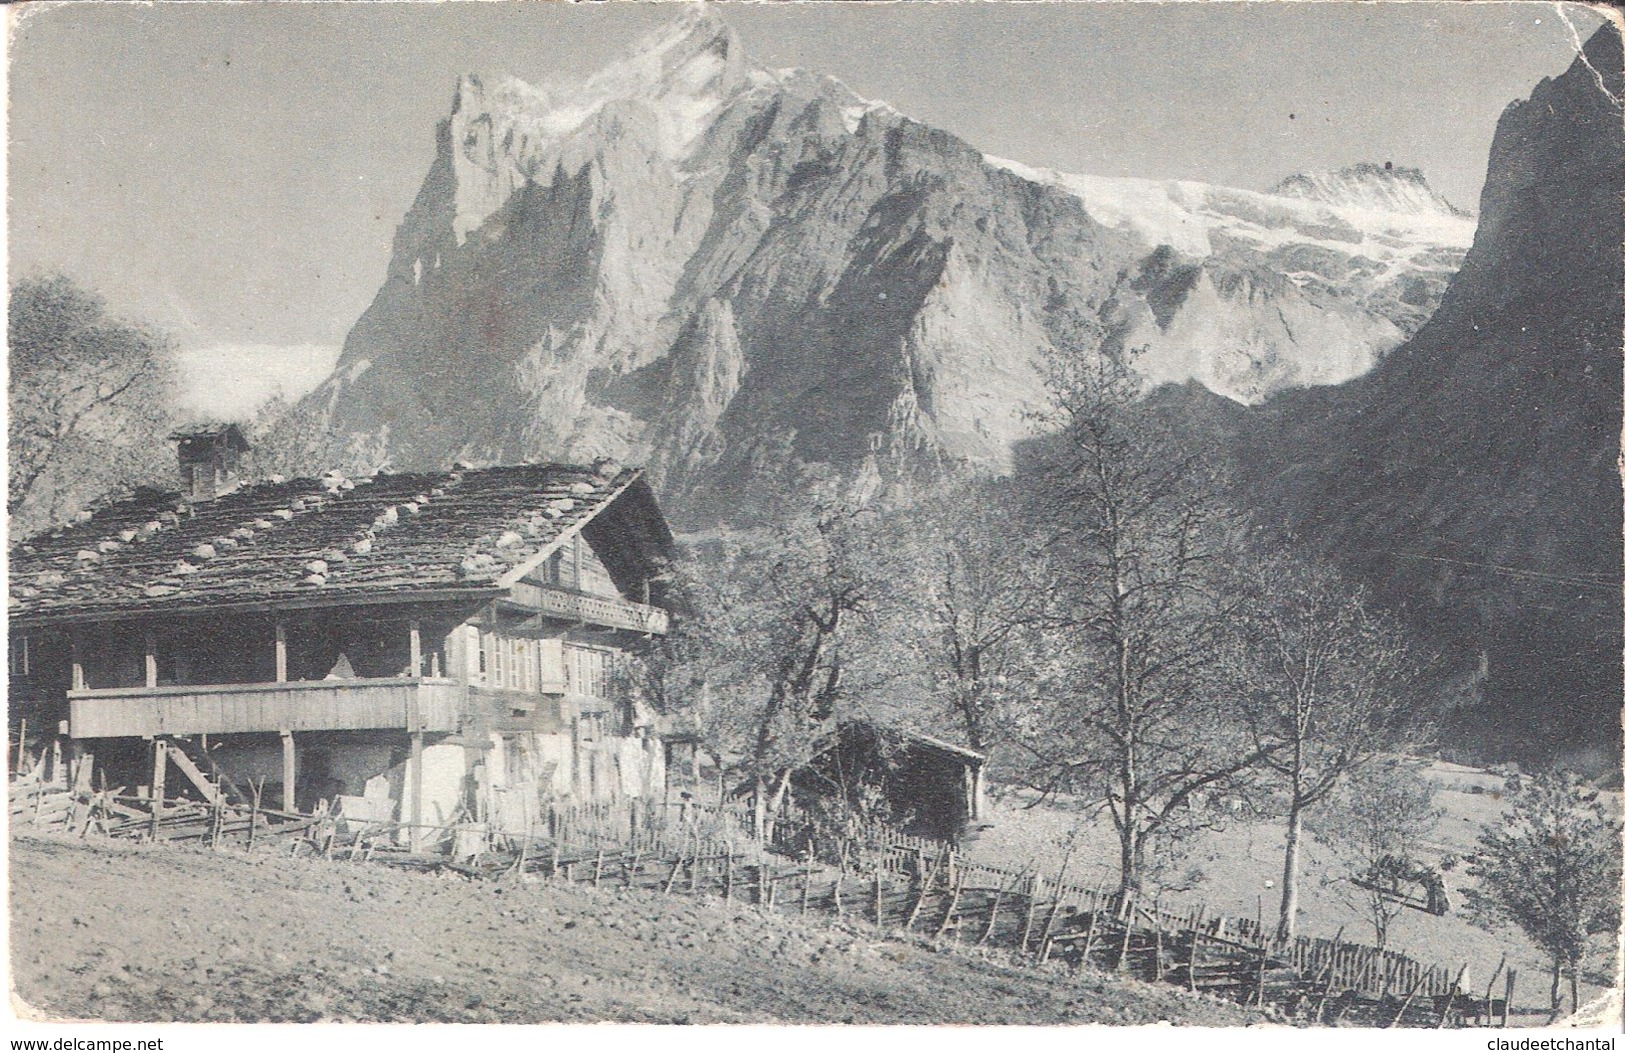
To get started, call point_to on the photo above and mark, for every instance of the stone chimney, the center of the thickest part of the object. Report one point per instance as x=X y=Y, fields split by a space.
x=210 y=456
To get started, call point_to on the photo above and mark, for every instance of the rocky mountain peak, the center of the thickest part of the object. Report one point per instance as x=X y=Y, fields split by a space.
x=1385 y=187
x=712 y=268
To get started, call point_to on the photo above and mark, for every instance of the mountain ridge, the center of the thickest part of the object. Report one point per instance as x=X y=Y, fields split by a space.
x=821 y=277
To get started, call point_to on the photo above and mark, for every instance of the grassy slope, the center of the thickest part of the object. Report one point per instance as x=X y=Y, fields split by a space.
x=110 y=930
x=1240 y=870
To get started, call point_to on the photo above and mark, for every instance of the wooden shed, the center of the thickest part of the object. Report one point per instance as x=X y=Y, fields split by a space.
x=919 y=784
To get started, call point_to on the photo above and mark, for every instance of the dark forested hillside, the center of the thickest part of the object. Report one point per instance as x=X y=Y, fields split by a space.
x=1473 y=476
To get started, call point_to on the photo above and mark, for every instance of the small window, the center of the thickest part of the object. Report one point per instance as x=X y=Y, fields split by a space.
x=588 y=671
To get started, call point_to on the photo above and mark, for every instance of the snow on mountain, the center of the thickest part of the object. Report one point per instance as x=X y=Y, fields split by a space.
x=1379 y=240
x=1377 y=188
x=714 y=268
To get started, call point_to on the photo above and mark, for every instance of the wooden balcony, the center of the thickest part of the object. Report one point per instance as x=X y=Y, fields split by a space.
x=611 y=612
x=405 y=703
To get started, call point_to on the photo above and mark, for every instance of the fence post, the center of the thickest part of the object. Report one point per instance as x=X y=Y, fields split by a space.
x=254 y=811
x=1489 y=992
x=160 y=761
x=1089 y=938
x=924 y=889
x=1128 y=929
x=1450 y=996
x=992 y=914
x=1328 y=973
x=1156 y=936
x=1196 y=939
x=1055 y=909
x=1034 y=887
x=1417 y=986
x=953 y=903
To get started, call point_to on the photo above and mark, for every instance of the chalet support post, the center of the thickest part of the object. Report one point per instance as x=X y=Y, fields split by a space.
x=149 y=644
x=290 y=772
x=416 y=633
x=281 y=651
x=415 y=775
x=78 y=646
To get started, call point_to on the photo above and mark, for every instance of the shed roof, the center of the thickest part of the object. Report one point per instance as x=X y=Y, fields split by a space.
x=315 y=542
x=196 y=431
x=915 y=740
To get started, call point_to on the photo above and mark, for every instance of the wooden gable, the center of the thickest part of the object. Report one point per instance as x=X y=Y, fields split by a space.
x=576 y=566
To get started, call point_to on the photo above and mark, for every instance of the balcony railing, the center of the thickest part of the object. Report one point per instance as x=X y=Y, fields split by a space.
x=407 y=703
x=594 y=610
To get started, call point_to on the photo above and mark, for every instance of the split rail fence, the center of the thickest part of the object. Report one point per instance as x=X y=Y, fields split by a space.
x=893 y=882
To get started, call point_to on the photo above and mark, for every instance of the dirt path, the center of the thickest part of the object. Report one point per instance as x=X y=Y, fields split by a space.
x=107 y=930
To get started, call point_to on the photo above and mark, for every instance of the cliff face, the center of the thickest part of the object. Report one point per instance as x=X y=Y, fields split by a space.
x=711 y=268
x=1473 y=475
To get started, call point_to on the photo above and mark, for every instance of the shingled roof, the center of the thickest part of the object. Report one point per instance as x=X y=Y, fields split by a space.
x=311 y=541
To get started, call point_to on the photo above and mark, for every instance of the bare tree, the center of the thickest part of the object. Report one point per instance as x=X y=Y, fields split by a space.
x=89 y=402
x=1378 y=823
x=1553 y=870
x=965 y=593
x=762 y=650
x=1137 y=716
x=1329 y=683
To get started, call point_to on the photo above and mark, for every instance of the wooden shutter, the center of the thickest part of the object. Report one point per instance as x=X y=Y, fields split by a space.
x=554 y=680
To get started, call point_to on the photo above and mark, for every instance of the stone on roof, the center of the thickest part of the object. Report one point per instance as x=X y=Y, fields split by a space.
x=460 y=530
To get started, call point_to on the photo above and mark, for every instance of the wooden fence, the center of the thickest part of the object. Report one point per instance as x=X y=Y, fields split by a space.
x=889 y=881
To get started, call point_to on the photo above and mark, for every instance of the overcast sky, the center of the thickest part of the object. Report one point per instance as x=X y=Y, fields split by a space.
x=234 y=173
